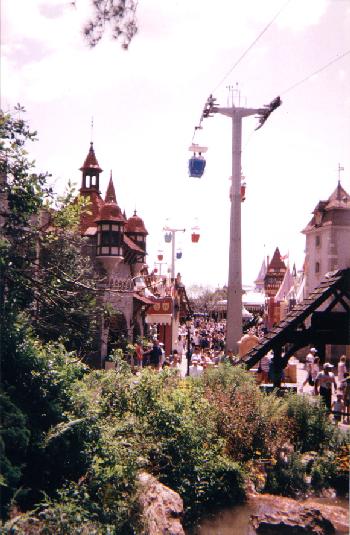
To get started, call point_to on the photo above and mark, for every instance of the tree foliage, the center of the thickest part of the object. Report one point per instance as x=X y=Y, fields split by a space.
x=117 y=15
x=43 y=272
x=204 y=299
x=46 y=295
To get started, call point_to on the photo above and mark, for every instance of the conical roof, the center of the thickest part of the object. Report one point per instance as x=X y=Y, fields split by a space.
x=135 y=224
x=110 y=192
x=339 y=198
x=260 y=278
x=110 y=212
x=327 y=211
x=276 y=262
x=91 y=160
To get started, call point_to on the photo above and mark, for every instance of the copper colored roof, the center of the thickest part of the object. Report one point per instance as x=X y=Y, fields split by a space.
x=135 y=224
x=132 y=245
x=89 y=215
x=91 y=161
x=276 y=262
x=110 y=212
x=90 y=231
x=110 y=193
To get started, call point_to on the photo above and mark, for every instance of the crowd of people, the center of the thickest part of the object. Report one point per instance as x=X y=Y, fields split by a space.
x=202 y=345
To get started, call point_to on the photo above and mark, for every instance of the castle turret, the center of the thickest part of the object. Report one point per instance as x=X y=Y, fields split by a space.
x=90 y=173
x=110 y=231
x=136 y=230
x=274 y=274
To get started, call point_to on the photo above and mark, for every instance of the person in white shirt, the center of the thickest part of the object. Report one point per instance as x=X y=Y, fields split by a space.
x=197 y=354
x=195 y=369
x=180 y=346
x=341 y=368
x=309 y=363
x=323 y=384
x=338 y=409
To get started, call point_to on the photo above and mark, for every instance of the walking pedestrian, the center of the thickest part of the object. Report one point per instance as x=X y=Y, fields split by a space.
x=155 y=355
x=338 y=409
x=139 y=354
x=264 y=366
x=323 y=384
x=195 y=369
x=309 y=361
x=341 y=368
x=346 y=398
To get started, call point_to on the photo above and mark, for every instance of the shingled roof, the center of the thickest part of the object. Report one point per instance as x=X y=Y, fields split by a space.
x=91 y=160
x=283 y=332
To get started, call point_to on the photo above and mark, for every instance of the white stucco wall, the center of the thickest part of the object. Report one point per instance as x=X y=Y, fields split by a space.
x=333 y=252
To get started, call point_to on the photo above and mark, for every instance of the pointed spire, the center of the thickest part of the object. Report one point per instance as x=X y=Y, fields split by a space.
x=339 y=198
x=276 y=262
x=259 y=282
x=91 y=160
x=110 y=193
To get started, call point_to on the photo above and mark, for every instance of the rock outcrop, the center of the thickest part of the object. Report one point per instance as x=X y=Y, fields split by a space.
x=305 y=521
x=276 y=515
x=161 y=507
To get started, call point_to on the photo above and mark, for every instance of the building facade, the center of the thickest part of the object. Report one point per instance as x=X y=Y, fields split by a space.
x=117 y=247
x=327 y=236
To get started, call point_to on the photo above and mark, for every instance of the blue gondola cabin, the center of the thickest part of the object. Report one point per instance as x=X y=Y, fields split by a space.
x=196 y=163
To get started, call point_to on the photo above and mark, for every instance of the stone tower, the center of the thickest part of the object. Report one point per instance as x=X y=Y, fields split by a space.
x=274 y=274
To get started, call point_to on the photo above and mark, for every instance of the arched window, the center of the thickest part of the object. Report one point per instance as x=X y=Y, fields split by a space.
x=317 y=267
x=318 y=241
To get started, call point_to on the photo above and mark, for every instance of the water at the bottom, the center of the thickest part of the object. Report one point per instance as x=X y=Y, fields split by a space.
x=235 y=521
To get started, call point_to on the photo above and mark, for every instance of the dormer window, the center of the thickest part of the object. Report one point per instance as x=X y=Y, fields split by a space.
x=318 y=218
x=109 y=239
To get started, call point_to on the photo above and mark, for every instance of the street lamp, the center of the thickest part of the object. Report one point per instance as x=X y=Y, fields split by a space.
x=189 y=351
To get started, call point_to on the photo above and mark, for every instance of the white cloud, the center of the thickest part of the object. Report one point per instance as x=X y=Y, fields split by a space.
x=300 y=14
x=146 y=102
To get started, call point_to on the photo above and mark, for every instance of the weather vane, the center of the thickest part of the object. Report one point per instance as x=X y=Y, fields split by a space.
x=92 y=128
x=340 y=169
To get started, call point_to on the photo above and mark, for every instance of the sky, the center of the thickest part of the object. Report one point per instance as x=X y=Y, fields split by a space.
x=146 y=101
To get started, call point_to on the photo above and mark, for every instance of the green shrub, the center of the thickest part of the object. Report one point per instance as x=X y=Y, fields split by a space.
x=253 y=424
x=287 y=477
x=332 y=470
x=188 y=456
x=37 y=380
x=14 y=440
x=226 y=378
x=313 y=430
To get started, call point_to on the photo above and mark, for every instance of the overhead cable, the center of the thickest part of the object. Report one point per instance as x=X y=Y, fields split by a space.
x=252 y=44
x=334 y=60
